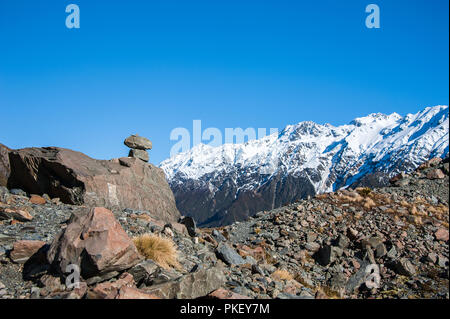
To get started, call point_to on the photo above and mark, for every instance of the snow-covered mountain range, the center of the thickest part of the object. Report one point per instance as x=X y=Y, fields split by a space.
x=219 y=185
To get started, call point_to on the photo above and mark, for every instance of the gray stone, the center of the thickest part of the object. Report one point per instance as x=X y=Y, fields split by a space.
x=191 y=286
x=138 y=142
x=404 y=267
x=143 y=271
x=140 y=154
x=229 y=255
x=218 y=236
x=18 y=192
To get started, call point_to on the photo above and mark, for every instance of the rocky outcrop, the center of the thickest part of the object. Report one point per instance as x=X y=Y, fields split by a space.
x=4 y=165
x=78 y=179
x=138 y=147
x=96 y=243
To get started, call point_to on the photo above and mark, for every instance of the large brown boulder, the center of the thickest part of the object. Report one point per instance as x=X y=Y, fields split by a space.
x=96 y=243
x=4 y=165
x=78 y=179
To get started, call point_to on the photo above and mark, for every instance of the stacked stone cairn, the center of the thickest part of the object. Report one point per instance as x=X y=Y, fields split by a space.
x=138 y=147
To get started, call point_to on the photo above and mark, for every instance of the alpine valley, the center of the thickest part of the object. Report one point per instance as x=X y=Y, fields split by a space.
x=220 y=185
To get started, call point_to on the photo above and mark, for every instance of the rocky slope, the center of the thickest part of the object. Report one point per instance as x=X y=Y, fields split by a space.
x=219 y=185
x=314 y=248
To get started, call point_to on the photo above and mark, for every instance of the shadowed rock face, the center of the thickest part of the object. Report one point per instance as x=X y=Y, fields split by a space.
x=4 y=165
x=78 y=179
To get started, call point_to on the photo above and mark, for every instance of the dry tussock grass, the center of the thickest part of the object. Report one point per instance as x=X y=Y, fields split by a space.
x=160 y=250
x=282 y=274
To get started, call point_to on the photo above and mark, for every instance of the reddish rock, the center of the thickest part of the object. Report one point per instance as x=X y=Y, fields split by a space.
x=110 y=290
x=4 y=165
x=95 y=240
x=38 y=200
x=78 y=179
x=134 y=293
x=441 y=234
x=24 y=249
x=258 y=252
x=17 y=214
x=435 y=174
x=226 y=294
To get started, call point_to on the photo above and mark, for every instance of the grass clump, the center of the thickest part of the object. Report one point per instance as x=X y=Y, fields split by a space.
x=282 y=274
x=160 y=250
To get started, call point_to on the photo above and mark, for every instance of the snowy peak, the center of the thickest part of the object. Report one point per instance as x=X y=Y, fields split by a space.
x=303 y=144
x=305 y=159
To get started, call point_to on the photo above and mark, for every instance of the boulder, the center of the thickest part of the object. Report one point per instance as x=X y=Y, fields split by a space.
x=78 y=179
x=144 y=271
x=229 y=255
x=123 y=288
x=191 y=286
x=140 y=154
x=404 y=267
x=24 y=249
x=95 y=242
x=4 y=165
x=110 y=290
x=138 y=142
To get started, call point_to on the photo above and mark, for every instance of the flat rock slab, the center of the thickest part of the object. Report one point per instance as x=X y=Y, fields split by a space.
x=138 y=142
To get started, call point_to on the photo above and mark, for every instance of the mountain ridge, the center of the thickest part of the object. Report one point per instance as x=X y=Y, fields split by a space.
x=216 y=185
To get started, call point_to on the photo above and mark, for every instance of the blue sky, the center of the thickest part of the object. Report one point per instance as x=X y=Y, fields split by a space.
x=148 y=67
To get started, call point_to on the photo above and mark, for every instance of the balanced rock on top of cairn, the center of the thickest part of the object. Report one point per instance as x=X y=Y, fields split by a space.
x=139 y=146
